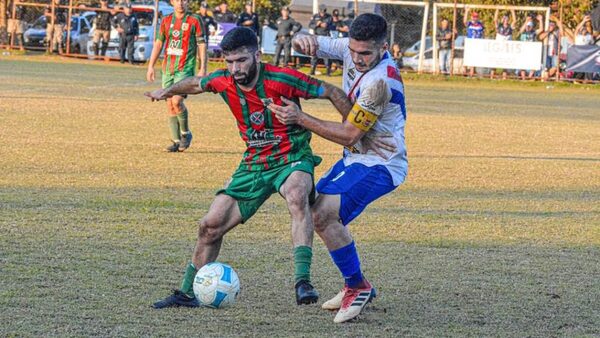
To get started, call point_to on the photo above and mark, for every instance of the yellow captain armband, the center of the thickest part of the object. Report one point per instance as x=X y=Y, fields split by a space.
x=361 y=118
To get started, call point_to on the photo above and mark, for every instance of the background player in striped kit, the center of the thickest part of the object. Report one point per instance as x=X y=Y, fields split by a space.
x=278 y=158
x=184 y=38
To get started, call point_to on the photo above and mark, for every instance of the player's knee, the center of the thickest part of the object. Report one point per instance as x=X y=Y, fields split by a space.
x=320 y=222
x=297 y=199
x=209 y=230
x=177 y=104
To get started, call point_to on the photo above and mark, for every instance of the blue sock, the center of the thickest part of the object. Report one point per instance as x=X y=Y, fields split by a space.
x=347 y=261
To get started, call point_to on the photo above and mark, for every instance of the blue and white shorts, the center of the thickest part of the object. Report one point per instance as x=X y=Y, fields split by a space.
x=357 y=184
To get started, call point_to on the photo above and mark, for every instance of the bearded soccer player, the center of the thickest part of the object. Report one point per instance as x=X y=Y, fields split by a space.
x=277 y=155
x=182 y=34
x=367 y=170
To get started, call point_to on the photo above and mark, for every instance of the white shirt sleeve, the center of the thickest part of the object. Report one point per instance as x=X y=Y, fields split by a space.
x=332 y=48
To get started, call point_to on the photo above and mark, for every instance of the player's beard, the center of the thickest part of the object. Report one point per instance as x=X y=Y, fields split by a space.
x=247 y=77
x=367 y=67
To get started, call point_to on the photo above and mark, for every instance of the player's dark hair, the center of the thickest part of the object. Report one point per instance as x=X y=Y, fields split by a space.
x=369 y=26
x=239 y=37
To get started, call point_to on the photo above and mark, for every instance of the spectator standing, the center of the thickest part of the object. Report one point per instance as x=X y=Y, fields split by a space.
x=248 y=18
x=444 y=38
x=553 y=33
x=210 y=26
x=339 y=28
x=397 y=55
x=504 y=32
x=528 y=33
x=223 y=14
x=18 y=25
x=320 y=24
x=103 y=26
x=584 y=35
x=54 y=32
x=475 y=30
x=128 y=29
x=286 y=28
x=349 y=20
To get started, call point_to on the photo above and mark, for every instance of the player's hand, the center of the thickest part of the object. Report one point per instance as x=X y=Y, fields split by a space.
x=379 y=144
x=158 y=95
x=150 y=74
x=288 y=114
x=135 y=38
x=305 y=44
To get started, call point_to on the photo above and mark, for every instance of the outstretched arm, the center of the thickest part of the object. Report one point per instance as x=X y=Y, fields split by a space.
x=361 y=118
x=343 y=133
x=496 y=18
x=305 y=44
x=513 y=19
x=190 y=85
x=540 y=19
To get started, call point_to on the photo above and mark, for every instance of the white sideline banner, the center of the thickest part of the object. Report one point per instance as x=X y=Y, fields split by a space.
x=503 y=54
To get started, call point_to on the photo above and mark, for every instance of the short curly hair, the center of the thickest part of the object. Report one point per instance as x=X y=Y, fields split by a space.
x=369 y=26
x=239 y=37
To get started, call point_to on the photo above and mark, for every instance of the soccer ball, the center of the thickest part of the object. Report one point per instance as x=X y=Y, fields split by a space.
x=216 y=285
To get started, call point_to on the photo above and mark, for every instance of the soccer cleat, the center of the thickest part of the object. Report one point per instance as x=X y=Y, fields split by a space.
x=336 y=302
x=173 y=148
x=306 y=293
x=354 y=302
x=186 y=140
x=177 y=299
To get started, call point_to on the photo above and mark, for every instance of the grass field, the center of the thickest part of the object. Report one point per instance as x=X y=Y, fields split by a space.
x=496 y=232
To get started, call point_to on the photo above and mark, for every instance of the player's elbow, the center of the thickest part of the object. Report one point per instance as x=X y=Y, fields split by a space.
x=351 y=136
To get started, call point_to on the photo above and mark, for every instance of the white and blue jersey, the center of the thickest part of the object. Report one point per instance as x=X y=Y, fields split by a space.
x=475 y=29
x=362 y=176
x=392 y=120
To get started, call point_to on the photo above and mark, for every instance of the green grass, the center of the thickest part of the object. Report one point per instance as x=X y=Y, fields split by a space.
x=495 y=233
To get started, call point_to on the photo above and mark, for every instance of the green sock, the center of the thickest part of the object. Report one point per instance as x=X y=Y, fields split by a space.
x=174 y=126
x=302 y=260
x=188 y=280
x=183 y=121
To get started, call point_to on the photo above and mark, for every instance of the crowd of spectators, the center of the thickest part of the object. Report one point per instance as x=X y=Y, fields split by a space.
x=558 y=38
x=531 y=30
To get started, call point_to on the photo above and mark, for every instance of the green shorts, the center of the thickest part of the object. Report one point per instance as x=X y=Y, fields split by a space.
x=169 y=79
x=252 y=188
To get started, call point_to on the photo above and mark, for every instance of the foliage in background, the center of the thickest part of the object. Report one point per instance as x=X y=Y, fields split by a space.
x=573 y=10
x=266 y=9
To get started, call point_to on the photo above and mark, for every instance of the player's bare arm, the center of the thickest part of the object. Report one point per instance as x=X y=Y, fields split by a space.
x=190 y=85
x=342 y=133
x=337 y=97
x=202 y=59
x=347 y=133
x=156 y=48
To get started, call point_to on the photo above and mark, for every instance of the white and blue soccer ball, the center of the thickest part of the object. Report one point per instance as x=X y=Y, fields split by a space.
x=216 y=285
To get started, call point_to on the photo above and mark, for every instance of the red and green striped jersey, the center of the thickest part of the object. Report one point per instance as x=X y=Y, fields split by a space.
x=269 y=143
x=180 y=39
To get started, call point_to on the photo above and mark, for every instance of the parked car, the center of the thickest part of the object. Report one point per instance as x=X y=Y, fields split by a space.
x=142 y=48
x=412 y=62
x=416 y=47
x=35 y=35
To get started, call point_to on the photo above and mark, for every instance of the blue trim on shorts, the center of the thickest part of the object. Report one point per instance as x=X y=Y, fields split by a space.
x=357 y=184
